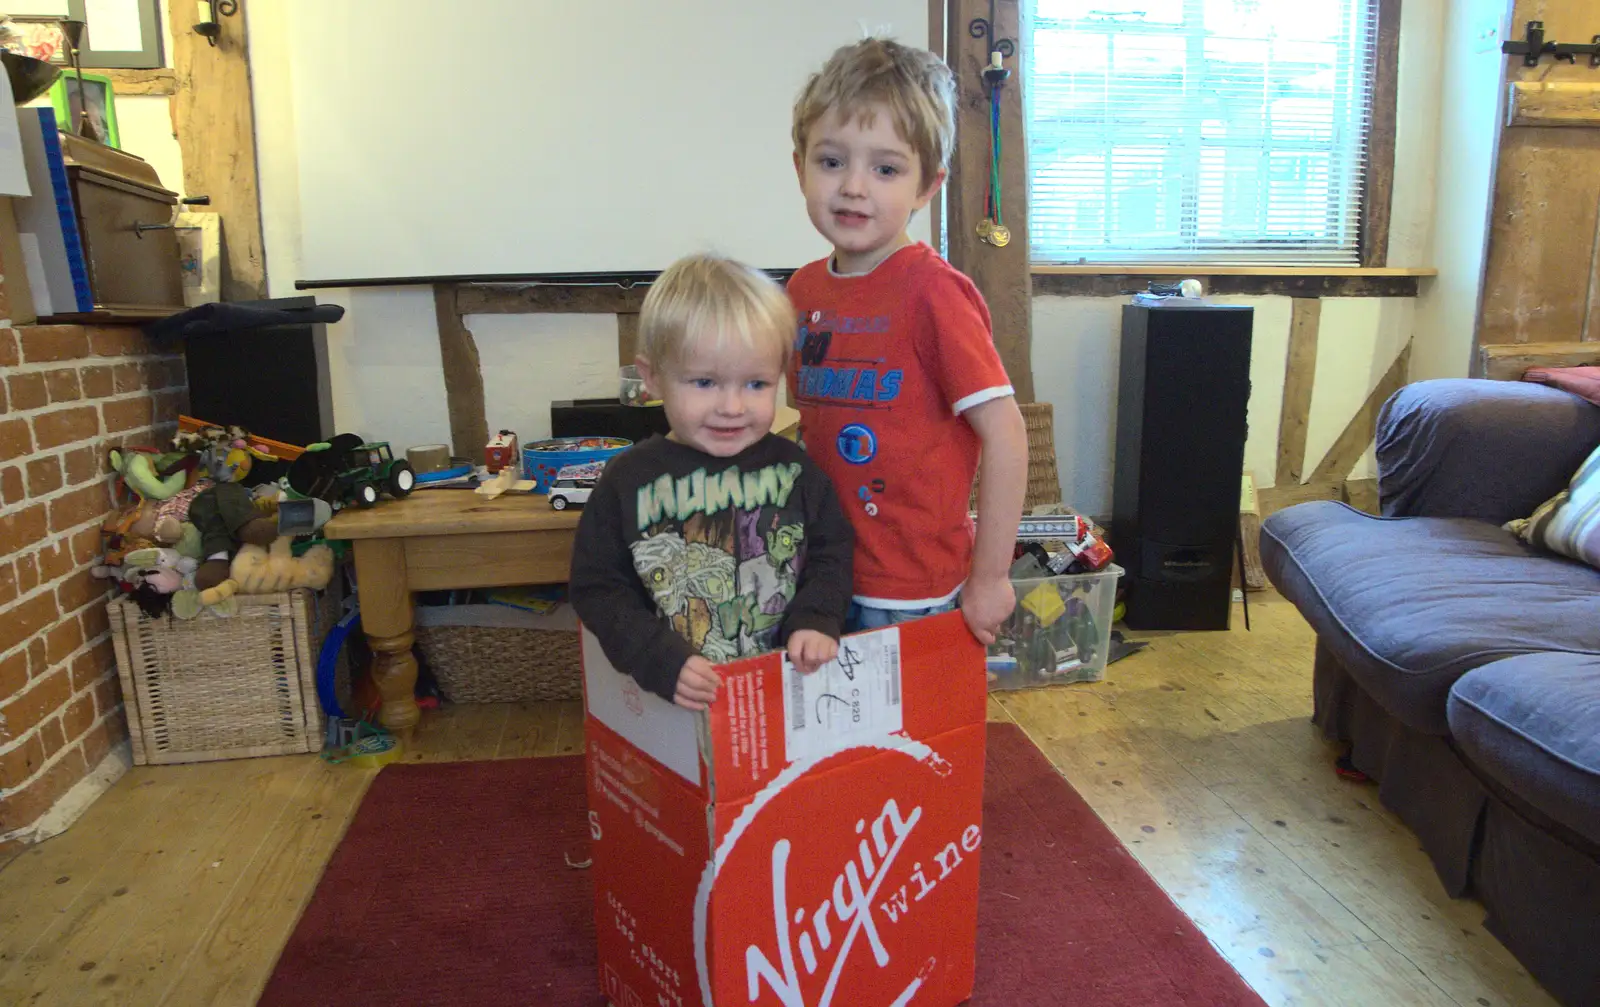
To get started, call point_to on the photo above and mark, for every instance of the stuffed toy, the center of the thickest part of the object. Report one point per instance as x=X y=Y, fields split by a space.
x=158 y=514
x=229 y=516
x=163 y=569
x=141 y=526
x=149 y=475
x=263 y=571
x=228 y=454
x=159 y=580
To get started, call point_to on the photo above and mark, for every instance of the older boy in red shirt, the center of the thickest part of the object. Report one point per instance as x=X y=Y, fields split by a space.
x=895 y=373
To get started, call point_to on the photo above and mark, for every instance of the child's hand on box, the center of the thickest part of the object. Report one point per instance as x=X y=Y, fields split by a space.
x=698 y=683
x=810 y=650
x=987 y=604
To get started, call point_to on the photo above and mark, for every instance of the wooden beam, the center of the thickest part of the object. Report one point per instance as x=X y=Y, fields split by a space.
x=1508 y=361
x=1300 y=374
x=1358 y=434
x=463 y=376
x=1544 y=216
x=1255 y=576
x=541 y=298
x=156 y=80
x=627 y=337
x=1276 y=498
x=1553 y=103
x=1001 y=274
x=1591 y=307
x=1362 y=494
x=1377 y=198
x=215 y=126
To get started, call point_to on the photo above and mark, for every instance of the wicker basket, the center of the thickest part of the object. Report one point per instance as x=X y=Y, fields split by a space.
x=1044 y=479
x=500 y=663
x=223 y=688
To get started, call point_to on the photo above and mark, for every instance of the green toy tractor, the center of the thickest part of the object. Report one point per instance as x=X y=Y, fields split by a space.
x=370 y=469
x=346 y=470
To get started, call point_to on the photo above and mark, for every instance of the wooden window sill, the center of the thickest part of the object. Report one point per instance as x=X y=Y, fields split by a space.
x=1111 y=279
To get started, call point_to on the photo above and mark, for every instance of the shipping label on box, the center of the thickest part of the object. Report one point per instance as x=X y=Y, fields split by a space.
x=812 y=840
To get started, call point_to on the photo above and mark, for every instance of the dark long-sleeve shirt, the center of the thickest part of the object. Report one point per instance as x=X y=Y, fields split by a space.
x=679 y=552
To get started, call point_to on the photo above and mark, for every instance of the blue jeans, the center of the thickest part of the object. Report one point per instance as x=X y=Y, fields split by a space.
x=863 y=617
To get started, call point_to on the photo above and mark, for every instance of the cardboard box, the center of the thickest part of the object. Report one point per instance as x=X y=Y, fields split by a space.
x=812 y=840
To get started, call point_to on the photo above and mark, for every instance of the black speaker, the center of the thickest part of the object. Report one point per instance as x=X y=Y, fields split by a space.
x=606 y=418
x=272 y=380
x=1183 y=390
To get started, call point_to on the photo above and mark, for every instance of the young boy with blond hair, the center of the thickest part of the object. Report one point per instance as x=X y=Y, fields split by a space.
x=897 y=380
x=720 y=540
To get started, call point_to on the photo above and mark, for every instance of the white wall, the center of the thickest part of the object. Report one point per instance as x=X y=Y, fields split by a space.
x=384 y=366
x=277 y=157
x=1469 y=125
x=144 y=122
x=1076 y=354
x=385 y=359
x=1416 y=135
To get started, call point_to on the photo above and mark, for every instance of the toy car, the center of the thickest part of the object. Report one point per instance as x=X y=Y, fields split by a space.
x=346 y=470
x=574 y=484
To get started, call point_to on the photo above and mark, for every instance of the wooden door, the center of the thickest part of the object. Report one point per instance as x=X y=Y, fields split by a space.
x=1542 y=276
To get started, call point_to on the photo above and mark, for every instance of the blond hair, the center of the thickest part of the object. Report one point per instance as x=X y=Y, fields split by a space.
x=915 y=85
x=712 y=302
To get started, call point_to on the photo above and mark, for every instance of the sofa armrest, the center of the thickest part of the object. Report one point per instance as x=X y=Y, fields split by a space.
x=1493 y=450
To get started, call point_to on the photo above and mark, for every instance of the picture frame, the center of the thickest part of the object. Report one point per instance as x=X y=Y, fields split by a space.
x=64 y=98
x=40 y=37
x=125 y=34
x=200 y=257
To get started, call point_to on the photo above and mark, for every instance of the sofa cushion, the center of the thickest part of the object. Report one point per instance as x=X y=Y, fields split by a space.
x=1533 y=724
x=1569 y=522
x=1408 y=605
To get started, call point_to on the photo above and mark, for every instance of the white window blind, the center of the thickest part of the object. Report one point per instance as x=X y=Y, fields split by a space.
x=1201 y=131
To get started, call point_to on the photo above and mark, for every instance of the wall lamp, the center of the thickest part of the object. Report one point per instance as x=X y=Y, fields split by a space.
x=207 y=11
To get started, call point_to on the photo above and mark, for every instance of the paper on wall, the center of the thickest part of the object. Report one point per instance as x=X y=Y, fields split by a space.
x=114 y=25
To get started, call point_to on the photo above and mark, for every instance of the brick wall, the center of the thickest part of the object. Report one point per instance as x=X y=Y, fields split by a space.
x=70 y=393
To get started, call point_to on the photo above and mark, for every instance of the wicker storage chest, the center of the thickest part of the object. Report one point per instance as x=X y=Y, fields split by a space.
x=495 y=654
x=223 y=688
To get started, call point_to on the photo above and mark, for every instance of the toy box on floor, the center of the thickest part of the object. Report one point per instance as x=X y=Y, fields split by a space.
x=1066 y=587
x=1059 y=633
x=216 y=687
x=809 y=839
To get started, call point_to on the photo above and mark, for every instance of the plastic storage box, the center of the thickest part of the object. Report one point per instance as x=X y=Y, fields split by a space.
x=1059 y=633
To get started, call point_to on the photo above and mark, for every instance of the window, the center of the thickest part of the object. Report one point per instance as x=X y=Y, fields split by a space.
x=1198 y=131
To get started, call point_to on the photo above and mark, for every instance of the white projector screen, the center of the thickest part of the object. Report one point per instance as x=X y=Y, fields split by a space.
x=515 y=137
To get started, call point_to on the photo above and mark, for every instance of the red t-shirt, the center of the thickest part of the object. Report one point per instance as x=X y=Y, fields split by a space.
x=885 y=363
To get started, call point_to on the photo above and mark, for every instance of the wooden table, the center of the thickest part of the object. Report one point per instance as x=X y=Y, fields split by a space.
x=442 y=539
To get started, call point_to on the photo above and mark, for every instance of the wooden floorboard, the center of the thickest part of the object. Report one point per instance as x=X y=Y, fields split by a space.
x=182 y=883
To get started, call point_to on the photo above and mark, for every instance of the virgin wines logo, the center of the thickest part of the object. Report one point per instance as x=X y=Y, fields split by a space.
x=838 y=913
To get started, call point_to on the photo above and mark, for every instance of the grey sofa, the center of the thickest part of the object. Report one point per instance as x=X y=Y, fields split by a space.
x=1463 y=667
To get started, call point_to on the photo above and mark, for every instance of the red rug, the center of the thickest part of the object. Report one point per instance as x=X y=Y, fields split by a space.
x=452 y=887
